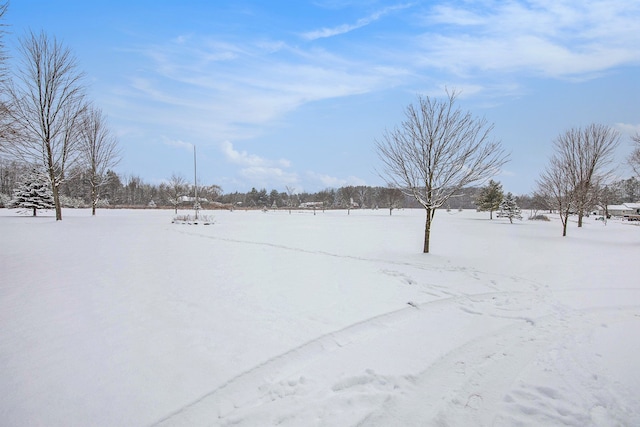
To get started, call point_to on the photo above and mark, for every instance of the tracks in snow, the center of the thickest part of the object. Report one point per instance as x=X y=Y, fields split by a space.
x=244 y=387
x=468 y=373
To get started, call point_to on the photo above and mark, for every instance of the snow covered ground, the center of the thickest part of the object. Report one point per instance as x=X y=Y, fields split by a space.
x=317 y=320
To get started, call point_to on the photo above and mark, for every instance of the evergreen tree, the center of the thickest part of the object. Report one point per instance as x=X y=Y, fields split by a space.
x=510 y=208
x=34 y=193
x=490 y=197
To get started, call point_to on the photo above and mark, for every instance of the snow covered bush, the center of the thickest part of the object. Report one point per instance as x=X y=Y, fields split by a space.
x=33 y=193
x=509 y=208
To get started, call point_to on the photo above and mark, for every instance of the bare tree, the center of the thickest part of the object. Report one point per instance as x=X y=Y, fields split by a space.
x=347 y=194
x=586 y=153
x=5 y=128
x=634 y=157
x=177 y=187
x=437 y=150
x=392 y=197
x=3 y=52
x=291 y=191
x=556 y=187
x=46 y=103
x=363 y=193
x=99 y=151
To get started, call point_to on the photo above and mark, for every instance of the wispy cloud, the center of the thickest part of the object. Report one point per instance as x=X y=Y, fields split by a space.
x=179 y=144
x=269 y=176
x=259 y=170
x=560 y=39
x=333 y=181
x=245 y=159
x=345 y=28
x=628 y=128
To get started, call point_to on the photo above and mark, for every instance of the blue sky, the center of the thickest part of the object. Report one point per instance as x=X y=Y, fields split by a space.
x=284 y=93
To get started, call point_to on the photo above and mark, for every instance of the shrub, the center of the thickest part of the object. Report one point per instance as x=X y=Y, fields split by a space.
x=539 y=218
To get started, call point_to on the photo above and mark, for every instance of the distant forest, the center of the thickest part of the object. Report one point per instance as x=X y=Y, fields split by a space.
x=131 y=191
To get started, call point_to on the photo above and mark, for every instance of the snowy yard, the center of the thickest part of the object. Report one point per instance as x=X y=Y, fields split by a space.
x=327 y=320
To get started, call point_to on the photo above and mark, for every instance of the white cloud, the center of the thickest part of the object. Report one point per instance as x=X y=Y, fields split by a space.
x=345 y=28
x=241 y=157
x=335 y=182
x=628 y=129
x=258 y=170
x=560 y=39
x=245 y=159
x=179 y=144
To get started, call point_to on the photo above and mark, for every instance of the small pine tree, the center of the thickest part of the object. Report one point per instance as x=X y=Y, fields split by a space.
x=33 y=193
x=490 y=197
x=510 y=208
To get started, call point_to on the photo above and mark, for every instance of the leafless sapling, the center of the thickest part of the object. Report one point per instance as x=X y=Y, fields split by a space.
x=99 y=151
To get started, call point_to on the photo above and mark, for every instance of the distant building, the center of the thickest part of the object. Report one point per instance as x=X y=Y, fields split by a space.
x=622 y=210
x=189 y=199
x=307 y=205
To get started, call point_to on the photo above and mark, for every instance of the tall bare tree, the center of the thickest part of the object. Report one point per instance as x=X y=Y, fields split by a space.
x=586 y=153
x=46 y=104
x=437 y=150
x=634 y=157
x=556 y=187
x=99 y=151
x=4 y=119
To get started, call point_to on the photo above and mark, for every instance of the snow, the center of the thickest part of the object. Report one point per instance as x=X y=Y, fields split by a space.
x=271 y=318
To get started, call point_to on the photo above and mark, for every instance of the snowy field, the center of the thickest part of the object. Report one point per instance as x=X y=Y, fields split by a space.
x=329 y=320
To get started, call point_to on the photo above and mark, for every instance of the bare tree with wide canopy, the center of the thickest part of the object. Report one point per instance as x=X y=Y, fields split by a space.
x=586 y=153
x=46 y=104
x=436 y=151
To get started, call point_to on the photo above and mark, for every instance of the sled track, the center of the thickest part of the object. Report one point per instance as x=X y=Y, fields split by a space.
x=225 y=398
x=232 y=394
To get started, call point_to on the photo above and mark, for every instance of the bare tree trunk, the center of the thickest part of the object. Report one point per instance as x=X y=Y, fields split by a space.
x=427 y=229
x=564 y=217
x=94 y=200
x=56 y=202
